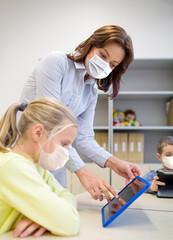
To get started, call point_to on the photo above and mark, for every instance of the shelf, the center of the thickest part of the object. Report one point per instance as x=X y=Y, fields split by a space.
x=145 y=128
x=135 y=128
x=146 y=88
x=151 y=64
x=101 y=128
x=144 y=95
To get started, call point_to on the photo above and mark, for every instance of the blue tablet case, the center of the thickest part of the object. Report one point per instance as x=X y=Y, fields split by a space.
x=129 y=193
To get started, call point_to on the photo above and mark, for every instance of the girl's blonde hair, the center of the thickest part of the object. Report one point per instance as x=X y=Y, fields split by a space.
x=49 y=112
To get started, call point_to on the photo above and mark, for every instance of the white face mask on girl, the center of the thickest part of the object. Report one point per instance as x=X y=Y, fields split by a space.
x=98 y=68
x=58 y=158
x=55 y=160
x=168 y=162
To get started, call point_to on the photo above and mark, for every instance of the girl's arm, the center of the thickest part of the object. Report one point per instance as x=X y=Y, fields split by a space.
x=43 y=200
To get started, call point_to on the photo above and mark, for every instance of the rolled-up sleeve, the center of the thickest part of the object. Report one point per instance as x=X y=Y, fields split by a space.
x=85 y=141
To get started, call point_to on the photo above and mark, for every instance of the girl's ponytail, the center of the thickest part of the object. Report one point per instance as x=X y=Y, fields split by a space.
x=8 y=127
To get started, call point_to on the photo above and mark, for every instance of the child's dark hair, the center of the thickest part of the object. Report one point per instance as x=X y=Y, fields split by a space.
x=168 y=140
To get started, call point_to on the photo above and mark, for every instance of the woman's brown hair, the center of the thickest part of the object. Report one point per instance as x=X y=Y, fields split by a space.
x=100 y=38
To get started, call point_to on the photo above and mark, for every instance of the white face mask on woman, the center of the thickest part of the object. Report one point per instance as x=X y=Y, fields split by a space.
x=168 y=162
x=98 y=68
x=55 y=160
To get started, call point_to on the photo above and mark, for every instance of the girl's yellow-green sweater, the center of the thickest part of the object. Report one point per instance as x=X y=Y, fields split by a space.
x=27 y=190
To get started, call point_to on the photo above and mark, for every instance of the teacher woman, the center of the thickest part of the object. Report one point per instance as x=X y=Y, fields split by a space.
x=74 y=79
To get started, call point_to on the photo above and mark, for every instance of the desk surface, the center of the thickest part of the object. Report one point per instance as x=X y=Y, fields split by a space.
x=147 y=218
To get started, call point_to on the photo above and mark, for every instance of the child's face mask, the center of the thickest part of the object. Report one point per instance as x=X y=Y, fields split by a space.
x=168 y=162
x=55 y=160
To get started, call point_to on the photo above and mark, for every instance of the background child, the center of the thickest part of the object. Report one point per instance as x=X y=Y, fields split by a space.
x=164 y=155
x=27 y=191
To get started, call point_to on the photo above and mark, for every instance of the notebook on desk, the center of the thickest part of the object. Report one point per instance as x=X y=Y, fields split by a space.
x=165 y=176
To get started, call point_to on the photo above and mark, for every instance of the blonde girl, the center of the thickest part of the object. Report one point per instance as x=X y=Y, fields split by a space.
x=31 y=199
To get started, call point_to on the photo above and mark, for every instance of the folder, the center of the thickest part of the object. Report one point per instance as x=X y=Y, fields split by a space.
x=102 y=139
x=170 y=113
x=136 y=148
x=116 y=145
x=124 y=146
x=139 y=148
x=97 y=137
x=131 y=147
x=120 y=145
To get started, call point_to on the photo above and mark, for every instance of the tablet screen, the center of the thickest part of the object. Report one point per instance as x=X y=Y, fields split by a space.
x=134 y=189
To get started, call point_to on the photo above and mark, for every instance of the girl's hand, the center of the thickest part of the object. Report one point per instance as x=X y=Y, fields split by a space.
x=26 y=227
x=155 y=183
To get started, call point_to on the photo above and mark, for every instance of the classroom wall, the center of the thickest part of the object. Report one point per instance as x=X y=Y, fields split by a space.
x=29 y=29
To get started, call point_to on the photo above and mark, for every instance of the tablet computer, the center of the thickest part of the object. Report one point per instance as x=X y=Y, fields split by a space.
x=126 y=197
x=165 y=176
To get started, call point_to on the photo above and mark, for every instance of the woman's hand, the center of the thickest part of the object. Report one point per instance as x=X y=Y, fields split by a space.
x=26 y=227
x=124 y=169
x=94 y=185
x=155 y=183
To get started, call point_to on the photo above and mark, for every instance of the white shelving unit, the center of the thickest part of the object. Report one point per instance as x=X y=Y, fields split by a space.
x=146 y=88
x=140 y=95
x=151 y=128
x=148 y=85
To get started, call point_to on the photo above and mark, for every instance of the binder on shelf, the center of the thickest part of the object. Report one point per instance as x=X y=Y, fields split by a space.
x=102 y=139
x=124 y=146
x=131 y=147
x=120 y=145
x=116 y=145
x=136 y=148
x=97 y=137
x=170 y=113
x=140 y=148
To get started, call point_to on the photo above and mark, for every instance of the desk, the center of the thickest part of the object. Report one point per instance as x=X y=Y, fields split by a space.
x=148 y=218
